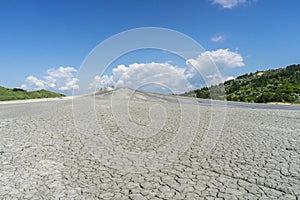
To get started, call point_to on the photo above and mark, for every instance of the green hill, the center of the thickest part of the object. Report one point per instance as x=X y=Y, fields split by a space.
x=278 y=85
x=17 y=93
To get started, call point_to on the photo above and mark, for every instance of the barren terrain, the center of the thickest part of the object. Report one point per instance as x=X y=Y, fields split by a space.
x=53 y=149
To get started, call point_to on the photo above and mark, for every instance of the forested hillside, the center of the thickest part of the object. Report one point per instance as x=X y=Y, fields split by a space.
x=279 y=85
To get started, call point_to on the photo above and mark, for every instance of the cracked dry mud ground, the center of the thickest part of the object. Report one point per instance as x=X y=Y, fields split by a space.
x=43 y=156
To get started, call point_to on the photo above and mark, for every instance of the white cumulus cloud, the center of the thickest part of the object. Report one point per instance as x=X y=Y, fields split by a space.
x=61 y=79
x=33 y=83
x=139 y=75
x=209 y=62
x=228 y=3
x=101 y=82
x=223 y=58
x=200 y=71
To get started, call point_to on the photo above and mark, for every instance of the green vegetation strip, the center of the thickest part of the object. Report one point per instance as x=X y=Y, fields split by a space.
x=17 y=93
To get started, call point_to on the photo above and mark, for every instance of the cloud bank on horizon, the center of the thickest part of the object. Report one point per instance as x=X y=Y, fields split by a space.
x=61 y=79
x=198 y=72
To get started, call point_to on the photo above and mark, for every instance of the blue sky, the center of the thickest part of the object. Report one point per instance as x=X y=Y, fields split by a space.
x=38 y=36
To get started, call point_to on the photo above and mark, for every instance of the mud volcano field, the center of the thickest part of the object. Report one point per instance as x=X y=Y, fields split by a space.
x=135 y=145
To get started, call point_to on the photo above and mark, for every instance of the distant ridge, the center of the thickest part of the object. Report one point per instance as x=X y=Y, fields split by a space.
x=18 y=94
x=276 y=85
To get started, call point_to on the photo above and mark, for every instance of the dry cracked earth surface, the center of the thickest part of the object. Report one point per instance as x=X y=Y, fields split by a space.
x=133 y=145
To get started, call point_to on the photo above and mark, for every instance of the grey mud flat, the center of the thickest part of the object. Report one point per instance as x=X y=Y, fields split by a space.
x=44 y=156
